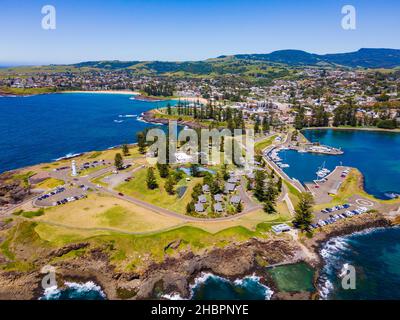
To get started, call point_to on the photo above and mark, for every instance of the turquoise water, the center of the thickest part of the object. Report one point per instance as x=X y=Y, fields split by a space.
x=376 y=258
x=43 y=128
x=211 y=287
x=376 y=154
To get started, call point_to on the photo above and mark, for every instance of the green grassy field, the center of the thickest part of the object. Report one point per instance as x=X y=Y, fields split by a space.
x=261 y=145
x=49 y=183
x=137 y=188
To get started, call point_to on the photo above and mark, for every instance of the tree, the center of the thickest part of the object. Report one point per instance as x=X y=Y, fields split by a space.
x=141 y=142
x=239 y=207
x=118 y=161
x=269 y=207
x=197 y=191
x=163 y=169
x=125 y=150
x=279 y=185
x=169 y=111
x=224 y=170
x=259 y=185
x=194 y=170
x=151 y=179
x=169 y=185
x=304 y=216
x=265 y=124
x=257 y=126
x=190 y=207
x=299 y=119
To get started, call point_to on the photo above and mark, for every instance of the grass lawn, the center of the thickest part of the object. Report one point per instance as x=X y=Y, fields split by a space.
x=137 y=188
x=49 y=183
x=131 y=252
x=99 y=180
x=250 y=221
x=293 y=193
x=261 y=145
x=98 y=211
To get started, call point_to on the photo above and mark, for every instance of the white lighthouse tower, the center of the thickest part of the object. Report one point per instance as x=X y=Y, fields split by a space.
x=73 y=168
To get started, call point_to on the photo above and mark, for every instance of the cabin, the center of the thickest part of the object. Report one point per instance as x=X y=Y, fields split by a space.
x=199 y=208
x=218 y=197
x=206 y=188
x=278 y=229
x=229 y=187
x=236 y=200
x=202 y=199
x=218 y=207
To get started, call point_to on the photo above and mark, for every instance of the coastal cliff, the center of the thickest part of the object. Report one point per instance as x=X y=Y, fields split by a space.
x=176 y=272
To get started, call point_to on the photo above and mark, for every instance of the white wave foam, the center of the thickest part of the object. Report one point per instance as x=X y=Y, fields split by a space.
x=127 y=116
x=51 y=293
x=173 y=296
x=68 y=156
x=85 y=287
x=325 y=288
x=54 y=293
x=204 y=276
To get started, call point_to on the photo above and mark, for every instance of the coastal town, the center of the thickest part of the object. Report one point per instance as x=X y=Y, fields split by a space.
x=142 y=228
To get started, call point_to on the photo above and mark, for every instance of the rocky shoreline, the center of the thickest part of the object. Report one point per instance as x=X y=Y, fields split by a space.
x=176 y=273
x=149 y=117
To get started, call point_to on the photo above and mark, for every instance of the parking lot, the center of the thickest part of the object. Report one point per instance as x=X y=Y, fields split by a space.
x=323 y=188
x=331 y=215
x=60 y=196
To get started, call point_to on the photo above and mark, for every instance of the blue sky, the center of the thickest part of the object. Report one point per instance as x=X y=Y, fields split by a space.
x=188 y=30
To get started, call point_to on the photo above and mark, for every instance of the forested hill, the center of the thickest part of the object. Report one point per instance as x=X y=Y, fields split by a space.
x=259 y=67
x=364 y=58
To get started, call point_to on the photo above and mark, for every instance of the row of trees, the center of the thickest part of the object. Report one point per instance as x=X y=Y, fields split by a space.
x=345 y=115
x=233 y=117
x=159 y=90
x=262 y=125
x=266 y=192
x=319 y=118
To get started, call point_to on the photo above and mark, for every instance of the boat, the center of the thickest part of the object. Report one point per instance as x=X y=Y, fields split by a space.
x=323 y=172
x=284 y=165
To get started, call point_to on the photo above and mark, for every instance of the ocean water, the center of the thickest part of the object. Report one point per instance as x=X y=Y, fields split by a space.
x=374 y=153
x=75 y=291
x=375 y=254
x=211 y=287
x=43 y=128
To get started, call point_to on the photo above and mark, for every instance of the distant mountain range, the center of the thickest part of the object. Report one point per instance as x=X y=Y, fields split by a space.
x=239 y=63
x=363 y=58
x=255 y=67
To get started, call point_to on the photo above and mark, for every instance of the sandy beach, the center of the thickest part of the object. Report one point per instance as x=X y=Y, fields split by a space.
x=194 y=99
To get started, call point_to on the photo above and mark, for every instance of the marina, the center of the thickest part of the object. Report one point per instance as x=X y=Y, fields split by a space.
x=373 y=153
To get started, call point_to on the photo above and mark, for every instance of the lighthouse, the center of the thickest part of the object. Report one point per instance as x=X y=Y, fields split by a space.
x=73 y=168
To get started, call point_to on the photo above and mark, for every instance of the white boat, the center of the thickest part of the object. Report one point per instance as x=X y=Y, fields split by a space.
x=323 y=172
x=284 y=165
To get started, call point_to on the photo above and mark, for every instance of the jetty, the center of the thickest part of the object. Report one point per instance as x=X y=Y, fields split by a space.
x=316 y=148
